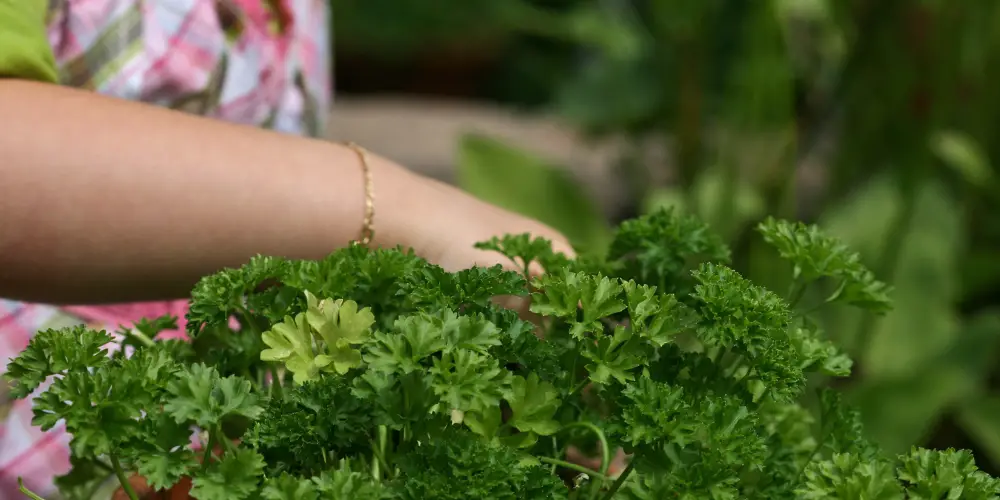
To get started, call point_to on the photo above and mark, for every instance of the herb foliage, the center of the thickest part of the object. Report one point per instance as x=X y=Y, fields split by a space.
x=376 y=375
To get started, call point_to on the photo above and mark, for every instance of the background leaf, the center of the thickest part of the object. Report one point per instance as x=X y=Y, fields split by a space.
x=523 y=183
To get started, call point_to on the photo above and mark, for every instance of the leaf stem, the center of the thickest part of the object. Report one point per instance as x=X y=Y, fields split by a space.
x=120 y=473
x=579 y=468
x=226 y=442
x=208 y=450
x=276 y=390
x=620 y=481
x=141 y=337
x=605 y=450
x=24 y=490
x=579 y=387
x=795 y=293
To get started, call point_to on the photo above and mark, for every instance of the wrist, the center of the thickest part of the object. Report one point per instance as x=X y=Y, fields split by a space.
x=399 y=202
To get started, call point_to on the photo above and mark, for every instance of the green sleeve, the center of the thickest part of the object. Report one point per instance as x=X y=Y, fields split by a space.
x=24 y=46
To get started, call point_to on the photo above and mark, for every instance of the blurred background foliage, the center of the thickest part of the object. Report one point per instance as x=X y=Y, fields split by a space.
x=872 y=118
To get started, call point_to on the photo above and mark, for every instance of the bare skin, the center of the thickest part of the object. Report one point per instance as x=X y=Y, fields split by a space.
x=104 y=200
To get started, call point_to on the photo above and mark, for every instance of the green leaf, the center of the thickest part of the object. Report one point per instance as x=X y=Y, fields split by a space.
x=466 y=380
x=563 y=296
x=460 y=466
x=286 y=487
x=978 y=417
x=485 y=422
x=523 y=249
x=316 y=420
x=962 y=154
x=533 y=404
x=661 y=248
x=815 y=255
x=345 y=484
x=52 y=352
x=163 y=469
x=202 y=397
x=520 y=182
x=655 y=317
x=322 y=339
x=848 y=476
x=613 y=357
x=341 y=326
x=933 y=474
x=234 y=477
x=291 y=343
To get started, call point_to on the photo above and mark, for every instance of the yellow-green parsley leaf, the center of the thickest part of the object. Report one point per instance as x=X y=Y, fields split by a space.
x=533 y=404
x=291 y=342
x=234 y=477
x=342 y=326
x=322 y=339
x=201 y=396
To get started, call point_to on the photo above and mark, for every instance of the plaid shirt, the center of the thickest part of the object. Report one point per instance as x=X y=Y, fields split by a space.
x=260 y=62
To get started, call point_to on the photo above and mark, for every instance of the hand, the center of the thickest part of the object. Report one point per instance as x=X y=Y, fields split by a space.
x=445 y=227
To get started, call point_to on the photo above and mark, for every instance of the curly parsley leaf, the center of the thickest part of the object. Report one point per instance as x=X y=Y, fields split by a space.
x=286 y=487
x=201 y=396
x=929 y=474
x=741 y=317
x=469 y=290
x=53 y=352
x=345 y=484
x=468 y=381
x=217 y=297
x=815 y=255
x=656 y=317
x=314 y=423
x=847 y=475
x=533 y=403
x=524 y=249
x=165 y=456
x=563 y=296
x=614 y=357
x=460 y=466
x=235 y=476
x=660 y=248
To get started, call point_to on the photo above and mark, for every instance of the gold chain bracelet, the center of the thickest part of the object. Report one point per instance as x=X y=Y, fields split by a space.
x=368 y=223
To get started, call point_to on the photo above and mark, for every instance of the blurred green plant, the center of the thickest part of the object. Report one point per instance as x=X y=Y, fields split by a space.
x=891 y=103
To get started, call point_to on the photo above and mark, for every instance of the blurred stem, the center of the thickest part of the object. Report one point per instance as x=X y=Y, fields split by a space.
x=571 y=466
x=25 y=491
x=688 y=126
x=120 y=473
x=605 y=449
x=621 y=480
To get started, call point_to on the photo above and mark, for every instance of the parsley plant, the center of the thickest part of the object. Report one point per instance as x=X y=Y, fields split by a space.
x=376 y=375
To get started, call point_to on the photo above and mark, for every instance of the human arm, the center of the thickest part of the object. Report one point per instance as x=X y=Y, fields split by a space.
x=103 y=200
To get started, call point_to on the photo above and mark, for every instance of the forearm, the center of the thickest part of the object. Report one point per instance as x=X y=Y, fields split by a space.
x=106 y=200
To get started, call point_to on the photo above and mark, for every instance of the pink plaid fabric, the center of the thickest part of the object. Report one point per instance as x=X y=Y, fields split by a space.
x=258 y=62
